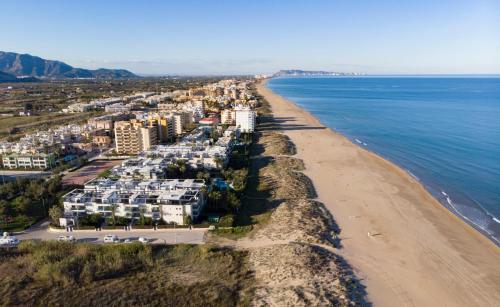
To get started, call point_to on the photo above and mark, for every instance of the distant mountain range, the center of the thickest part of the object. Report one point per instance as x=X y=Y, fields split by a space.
x=27 y=65
x=298 y=72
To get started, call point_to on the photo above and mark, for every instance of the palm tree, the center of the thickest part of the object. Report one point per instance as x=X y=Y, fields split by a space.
x=142 y=210
x=113 y=212
x=218 y=162
x=215 y=196
x=161 y=213
x=182 y=166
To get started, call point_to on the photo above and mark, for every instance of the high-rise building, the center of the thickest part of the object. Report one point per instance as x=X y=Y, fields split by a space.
x=132 y=137
x=227 y=117
x=164 y=125
x=245 y=119
x=181 y=119
x=178 y=123
x=234 y=93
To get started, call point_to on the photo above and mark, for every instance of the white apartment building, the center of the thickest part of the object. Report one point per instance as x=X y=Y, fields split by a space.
x=181 y=119
x=119 y=107
x=78 y=108
x=40 y=160
x=245 y=119
x=170 y=200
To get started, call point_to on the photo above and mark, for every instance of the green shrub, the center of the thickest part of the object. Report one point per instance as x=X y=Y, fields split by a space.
x=63 y=263
x=226 y=220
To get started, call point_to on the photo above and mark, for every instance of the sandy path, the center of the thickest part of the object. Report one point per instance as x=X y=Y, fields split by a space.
x=422 y=254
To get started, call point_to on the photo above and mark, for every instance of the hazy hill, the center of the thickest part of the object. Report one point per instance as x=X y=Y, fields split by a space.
x=5 y=77
x=27 y=65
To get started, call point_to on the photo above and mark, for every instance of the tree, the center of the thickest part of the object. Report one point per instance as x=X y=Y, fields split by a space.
x=8 y=190
x=187 y=219
x=214 y=197
x=113 y=213
x=25 y=206
x=36 y=190
x=181 y=166
x=203 y=175
x=240 y=179
x=172 y=170
x=54 y=185
x=6 y=208
x=214 y=134
x=142 y=211
x=55 y=213
x=227 y=174
x=218 y=162
x=232 y=201
x=28 y=106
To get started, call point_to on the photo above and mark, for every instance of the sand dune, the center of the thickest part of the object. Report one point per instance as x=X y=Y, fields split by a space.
x=408 y=249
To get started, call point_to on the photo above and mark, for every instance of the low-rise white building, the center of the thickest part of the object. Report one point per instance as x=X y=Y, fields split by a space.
x=40 y=160
x=119 y=107
x=170 y=200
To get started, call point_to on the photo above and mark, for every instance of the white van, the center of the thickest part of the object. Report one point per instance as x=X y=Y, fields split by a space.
x=111 y=239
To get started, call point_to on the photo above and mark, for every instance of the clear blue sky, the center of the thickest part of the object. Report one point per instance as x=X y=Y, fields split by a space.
x=213 y=37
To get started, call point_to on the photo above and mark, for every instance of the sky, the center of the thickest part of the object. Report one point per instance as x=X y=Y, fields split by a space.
x=248 y=37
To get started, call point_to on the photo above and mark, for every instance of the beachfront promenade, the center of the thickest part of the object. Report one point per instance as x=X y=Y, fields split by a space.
x=406 y=247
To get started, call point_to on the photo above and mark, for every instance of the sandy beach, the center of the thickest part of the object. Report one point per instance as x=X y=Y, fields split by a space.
x=405 y=246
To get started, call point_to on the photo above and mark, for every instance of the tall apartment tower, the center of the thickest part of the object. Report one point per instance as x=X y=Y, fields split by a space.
x=245 y=119
x=132 y=137
x=164 y=126
x=227 y=116
x=181 y=119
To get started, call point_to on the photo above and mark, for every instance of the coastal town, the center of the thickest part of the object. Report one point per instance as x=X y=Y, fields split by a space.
x=149 y=159
x=205 y=167
x=250 y=153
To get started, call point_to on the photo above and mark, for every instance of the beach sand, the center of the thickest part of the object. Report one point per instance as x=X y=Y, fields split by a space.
x=405 y=246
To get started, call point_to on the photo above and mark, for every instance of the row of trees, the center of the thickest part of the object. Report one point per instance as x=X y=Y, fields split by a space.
x=24 y=201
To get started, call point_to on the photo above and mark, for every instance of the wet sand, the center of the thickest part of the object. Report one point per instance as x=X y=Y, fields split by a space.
x=408 y=249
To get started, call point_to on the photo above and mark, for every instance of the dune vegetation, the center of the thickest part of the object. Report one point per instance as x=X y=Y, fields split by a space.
x=61 y=274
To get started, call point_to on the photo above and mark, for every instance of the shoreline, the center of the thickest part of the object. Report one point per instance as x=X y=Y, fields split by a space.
x=367 y=193
x=415 y=180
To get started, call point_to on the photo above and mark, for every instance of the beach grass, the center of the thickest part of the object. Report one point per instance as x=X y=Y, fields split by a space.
x=55 y=273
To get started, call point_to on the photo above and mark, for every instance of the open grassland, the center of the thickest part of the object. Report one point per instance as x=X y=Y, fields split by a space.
x=16 y=126
x=67 y=274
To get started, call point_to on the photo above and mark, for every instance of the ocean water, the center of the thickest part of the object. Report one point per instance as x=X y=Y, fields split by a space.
x=444 y=131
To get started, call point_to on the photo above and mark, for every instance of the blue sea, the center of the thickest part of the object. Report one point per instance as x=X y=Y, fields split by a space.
x=444 y=131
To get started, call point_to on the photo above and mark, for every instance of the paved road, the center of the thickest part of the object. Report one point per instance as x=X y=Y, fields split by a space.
x=164 y=236
x=7 y=175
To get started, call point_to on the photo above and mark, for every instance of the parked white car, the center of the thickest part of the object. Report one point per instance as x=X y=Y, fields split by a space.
x=143 y=240
x=8 y=241
x=111 y=239
x=66 y=239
